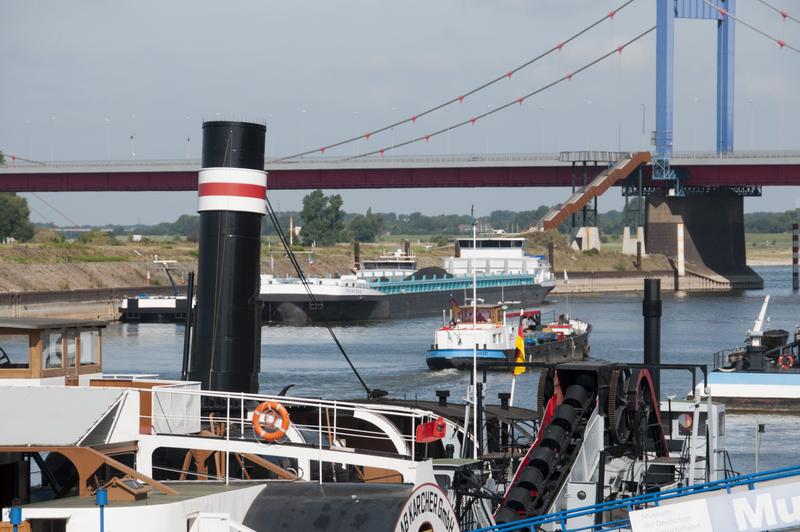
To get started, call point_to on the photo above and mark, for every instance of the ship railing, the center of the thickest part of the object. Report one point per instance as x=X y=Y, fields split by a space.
x=721 y=358
x=325 y=423
x=425 y=284
x=722 y=361
x=647 y=500
x=130 y=376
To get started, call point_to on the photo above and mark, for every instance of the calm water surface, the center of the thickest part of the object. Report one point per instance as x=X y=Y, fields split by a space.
x=391 y=355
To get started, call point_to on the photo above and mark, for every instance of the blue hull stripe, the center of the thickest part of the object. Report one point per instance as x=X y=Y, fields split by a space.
x=783 y=379
x=483 y=354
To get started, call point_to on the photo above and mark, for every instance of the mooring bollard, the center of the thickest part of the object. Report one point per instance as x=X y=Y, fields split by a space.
x=15 y=515
x=795 y=279
x=101 y=499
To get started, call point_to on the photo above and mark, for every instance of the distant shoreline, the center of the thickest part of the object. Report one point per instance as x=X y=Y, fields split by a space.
x=769 y=262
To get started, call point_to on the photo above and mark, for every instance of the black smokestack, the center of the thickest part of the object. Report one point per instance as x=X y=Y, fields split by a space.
x=231 y=191
x=651 y=310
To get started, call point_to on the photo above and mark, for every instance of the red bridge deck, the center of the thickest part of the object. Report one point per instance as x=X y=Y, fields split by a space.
x=766 y=169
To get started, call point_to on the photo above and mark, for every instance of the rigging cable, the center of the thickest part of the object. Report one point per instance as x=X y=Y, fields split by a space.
x=67 y=218
x=782 y=12
x=520 y=100
x=371 y=393
x=413 y=118
x=780 y=42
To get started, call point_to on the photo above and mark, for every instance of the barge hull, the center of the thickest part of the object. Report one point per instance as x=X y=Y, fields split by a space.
x=419 y=304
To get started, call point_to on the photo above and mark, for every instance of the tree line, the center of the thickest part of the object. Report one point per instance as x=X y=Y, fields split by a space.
x=324 y=222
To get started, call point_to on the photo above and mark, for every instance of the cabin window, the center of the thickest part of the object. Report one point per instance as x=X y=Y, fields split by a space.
x=14 y=352
x=52 y=350
x=71 y=347
x=90 y=347
x=48 y=525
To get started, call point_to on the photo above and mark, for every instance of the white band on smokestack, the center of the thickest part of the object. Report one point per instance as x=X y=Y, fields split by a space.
x=232 y=189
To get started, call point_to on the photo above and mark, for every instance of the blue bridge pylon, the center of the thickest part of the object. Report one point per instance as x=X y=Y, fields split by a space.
x=667 y=12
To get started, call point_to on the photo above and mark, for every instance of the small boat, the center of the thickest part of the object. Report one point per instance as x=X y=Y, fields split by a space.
x=761 y=375
x=495 y=332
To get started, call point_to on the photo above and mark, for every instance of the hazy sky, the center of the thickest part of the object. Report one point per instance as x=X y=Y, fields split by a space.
x=79 y=78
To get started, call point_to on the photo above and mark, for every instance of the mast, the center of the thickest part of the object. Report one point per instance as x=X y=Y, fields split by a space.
x=474 y=338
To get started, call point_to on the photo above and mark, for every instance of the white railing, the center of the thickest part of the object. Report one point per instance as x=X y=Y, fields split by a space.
x=130 y=376
x=177 y=411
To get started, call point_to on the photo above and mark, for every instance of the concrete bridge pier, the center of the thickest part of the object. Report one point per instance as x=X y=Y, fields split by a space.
x=710 y=229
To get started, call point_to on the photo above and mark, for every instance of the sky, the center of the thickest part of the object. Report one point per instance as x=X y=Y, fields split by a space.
x=79 y=79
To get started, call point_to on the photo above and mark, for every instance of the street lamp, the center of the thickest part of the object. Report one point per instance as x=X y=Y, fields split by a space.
x=486 y=133
x=188 y=139
x=393 y=110
x=358 y=139
x=644 y=126
x=108 y=138
x=586 y=126
x=302 y=129
x=52 y=135
x=30 y=139
x=694 y=129
x=541 y=129
x=133 y=140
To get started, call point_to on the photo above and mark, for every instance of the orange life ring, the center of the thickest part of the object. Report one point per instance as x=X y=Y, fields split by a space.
x=785 y=361
x=273 y=412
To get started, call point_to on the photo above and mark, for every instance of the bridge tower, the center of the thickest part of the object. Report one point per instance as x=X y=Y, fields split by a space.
x=667 y=12
x=701 y=228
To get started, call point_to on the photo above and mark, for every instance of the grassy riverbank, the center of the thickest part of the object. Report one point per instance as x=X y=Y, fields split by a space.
x=769 y=249
x=116 y=263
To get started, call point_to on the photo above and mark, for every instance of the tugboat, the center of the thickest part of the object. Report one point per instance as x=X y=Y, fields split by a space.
x=495 y=333
x=762 y=375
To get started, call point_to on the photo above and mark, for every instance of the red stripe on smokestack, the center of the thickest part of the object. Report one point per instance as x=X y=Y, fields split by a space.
x=232 y=189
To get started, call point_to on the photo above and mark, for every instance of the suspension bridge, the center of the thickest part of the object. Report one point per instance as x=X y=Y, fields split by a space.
x=689 y=194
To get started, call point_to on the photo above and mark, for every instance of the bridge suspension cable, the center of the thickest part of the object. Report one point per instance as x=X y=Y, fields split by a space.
x=53 y=208
x=518 y=101
x=459 y=99
x=782 y=12
x=780 y=42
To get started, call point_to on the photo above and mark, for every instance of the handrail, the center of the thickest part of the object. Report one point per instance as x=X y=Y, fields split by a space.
x=554 y=158
x=655 y=498
x=168 y=418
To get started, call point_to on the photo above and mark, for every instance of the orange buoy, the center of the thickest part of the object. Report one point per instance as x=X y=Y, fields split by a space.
x=271 y=430
x=785 y=361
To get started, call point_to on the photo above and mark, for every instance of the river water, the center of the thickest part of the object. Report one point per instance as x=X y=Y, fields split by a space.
x=391 y=355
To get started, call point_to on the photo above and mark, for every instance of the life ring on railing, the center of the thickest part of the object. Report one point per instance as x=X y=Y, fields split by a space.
x=270 y=430
x=785 y=361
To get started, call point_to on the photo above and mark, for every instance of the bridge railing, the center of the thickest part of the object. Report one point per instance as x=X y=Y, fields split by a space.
x=348 y=161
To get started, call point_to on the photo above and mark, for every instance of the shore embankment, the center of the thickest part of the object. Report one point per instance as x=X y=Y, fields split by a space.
x=78 y=280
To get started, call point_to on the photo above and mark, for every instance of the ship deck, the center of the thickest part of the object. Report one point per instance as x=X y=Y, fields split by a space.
x=187 y=490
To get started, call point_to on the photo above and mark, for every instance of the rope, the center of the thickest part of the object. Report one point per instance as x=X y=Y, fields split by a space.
x=460 y=98
x=780 y=42
x=312 y=297
x=783 y=13
x=518 y=101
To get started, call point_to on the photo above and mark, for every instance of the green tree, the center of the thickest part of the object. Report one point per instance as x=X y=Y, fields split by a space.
x=15 y=217
x=2 y=158
x=323 y=219
x=366 y=228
